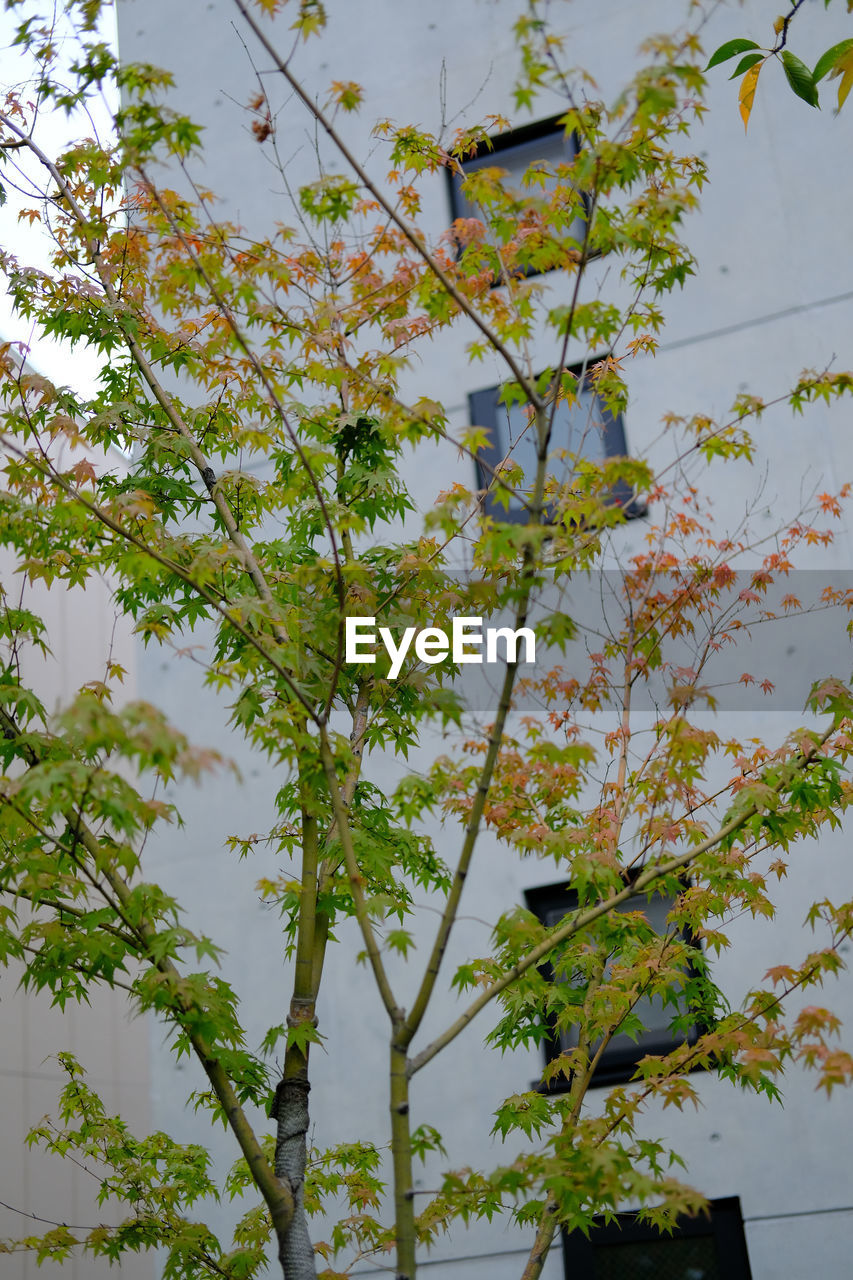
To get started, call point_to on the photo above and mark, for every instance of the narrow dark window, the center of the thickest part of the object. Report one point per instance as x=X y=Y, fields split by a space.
x=619 y=1060
x=543 y=148
x=711 y=1247
x=585 y=429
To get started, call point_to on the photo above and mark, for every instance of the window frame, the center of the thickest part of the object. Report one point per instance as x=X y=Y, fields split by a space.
x=548 y=129
x=617 y=1066
x=723 y=1223
x=486 y=409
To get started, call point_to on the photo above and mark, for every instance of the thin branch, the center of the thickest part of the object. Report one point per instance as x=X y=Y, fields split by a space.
x=344 y=834
x=92 y=975
x=441 y=275
x=51 y=1222
x=114 y=526
x=277 y=1195
x=162 y=397
x=699 y=1050
x=548 y=1218
x=580 y=921
x=227 y=313
x=484 y=782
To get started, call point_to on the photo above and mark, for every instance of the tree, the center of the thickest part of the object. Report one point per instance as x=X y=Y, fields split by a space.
x=256 y=385
x=836 y=63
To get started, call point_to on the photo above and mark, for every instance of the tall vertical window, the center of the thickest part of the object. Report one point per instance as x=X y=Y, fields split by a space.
x=585 y=428
x=711 y=1247
x=619 y=1060
x=537 y=150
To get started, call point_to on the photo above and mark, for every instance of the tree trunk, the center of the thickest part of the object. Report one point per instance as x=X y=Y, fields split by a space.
x=295 y=1251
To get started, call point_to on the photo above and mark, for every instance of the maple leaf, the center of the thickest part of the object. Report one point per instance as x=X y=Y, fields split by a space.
x=83 y=470
x=829 y=503
x=780 y=973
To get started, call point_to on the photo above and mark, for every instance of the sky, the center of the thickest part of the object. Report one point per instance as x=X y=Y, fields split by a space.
x=31 y=244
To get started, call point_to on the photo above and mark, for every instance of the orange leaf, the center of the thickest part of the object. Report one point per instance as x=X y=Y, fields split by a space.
x=83 y=470
x=746 y=96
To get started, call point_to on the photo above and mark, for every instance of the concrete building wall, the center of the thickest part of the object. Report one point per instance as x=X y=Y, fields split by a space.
x=774 y=293
x=110 y=1044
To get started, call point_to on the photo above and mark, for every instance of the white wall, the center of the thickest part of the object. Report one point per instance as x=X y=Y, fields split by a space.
x=774 y=293
x=83 y=631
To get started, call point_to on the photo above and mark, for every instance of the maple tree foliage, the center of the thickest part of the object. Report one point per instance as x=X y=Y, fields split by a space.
x=224 y=352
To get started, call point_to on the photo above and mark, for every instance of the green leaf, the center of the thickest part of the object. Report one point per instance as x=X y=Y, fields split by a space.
x=800 y=78
x=730 y=50
x=844 y=68
x=828 y=60
x=747 y=61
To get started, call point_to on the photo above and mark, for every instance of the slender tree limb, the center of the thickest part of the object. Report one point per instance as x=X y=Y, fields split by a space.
x=544 y=421
x=274 y=398
x=548 y=1221
x=91 y=975
x=64 y=908
x=328 y=866
x=644 y=881
x=786 y=22
x=581 y=266
x=420 y=248
x=343 y=831
x=276 y=1194
x=697 y=1051
x=228 y=614
x=157 y=389
x=548 y=1218
x=472 y=830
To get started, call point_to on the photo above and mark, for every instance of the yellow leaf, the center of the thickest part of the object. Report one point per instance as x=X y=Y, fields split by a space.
x=844 y=68
x=746 y=97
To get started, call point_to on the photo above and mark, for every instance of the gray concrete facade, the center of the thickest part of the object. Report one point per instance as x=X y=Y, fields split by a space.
x=110 y=1044
x=774 y=294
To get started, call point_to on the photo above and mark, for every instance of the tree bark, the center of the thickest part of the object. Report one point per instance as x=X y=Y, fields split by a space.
x=290 y=1108
x=295 y=1250
x=401 y=1152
